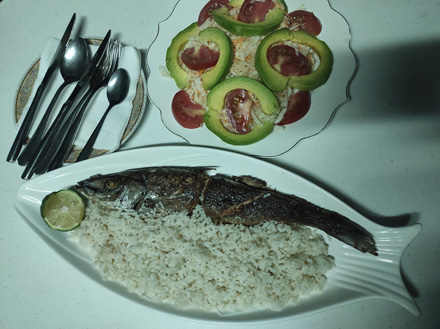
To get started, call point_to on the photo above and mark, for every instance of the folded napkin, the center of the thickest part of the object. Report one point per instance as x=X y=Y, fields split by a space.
x=116 y=121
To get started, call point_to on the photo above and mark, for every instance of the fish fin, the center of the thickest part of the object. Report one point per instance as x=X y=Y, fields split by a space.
x=251 y=181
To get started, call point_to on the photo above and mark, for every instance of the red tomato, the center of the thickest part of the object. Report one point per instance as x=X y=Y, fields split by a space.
x=306 y=21
x=238 y=105
x=200 y=58
x=299 y=105
x=187 y=113
x=205 y=13
x=253 y=11
x=288 y=61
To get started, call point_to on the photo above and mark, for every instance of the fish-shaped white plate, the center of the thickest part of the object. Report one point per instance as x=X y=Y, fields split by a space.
x=325 y=100
x=356 y=276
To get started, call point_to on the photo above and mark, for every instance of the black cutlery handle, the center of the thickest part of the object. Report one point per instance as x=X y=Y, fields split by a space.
x=44 y=145
x=88 y=148
x=26 y=125
x=64 y=139
x=38 y=134
x=67 y=143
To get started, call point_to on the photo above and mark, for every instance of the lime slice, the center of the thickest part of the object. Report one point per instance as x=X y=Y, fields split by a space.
x=63 y=210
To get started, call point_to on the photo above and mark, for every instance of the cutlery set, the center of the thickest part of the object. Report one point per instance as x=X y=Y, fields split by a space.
x=48 y=150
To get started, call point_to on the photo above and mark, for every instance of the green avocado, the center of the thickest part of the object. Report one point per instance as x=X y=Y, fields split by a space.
x=239 y=3
x=278 y=82
x=224 y=63
x=273 y=20
x=215 y=104
x=210 y=77
x=171 y=60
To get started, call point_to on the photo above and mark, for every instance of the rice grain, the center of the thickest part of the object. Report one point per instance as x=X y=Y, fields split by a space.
x=192 y=263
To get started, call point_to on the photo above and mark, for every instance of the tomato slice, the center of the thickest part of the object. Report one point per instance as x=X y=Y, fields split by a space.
x=187 y=113
x=253 y=11
x=238 y=110
x=200 y=58
x=306 y=21
x=288 y=61
x=297 y=108
x=205 y=13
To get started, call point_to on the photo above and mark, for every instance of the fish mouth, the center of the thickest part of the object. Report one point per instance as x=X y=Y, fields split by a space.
x=90 y=186
x=84 y=190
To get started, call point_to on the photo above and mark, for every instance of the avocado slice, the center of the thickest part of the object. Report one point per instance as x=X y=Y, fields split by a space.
x=171 y=60
x=211 y=77
x=239 y=3
x=224 y=63
x=273 y=20
x=278 y=82
x=215 y=104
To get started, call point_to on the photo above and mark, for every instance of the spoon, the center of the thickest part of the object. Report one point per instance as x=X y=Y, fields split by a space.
x=73 y=64
x=117 y=89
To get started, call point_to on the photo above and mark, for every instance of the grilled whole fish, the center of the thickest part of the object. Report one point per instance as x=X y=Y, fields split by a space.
x=160 y=191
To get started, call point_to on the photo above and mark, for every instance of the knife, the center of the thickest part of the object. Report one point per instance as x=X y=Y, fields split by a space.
x=31 y=148
x=41 y=152
x=27 y=122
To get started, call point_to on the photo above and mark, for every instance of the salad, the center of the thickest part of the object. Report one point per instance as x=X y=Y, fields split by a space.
x=245 y=66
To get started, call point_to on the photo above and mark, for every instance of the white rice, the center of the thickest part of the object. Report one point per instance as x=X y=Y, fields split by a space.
x=194 y=263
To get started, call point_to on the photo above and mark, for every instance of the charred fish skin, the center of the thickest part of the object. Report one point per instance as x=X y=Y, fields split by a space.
x=152 y=191
x=159 y=191
x=232 y=200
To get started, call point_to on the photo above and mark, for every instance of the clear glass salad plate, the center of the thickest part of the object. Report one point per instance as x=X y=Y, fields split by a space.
x=356 y=276
x=325 y=100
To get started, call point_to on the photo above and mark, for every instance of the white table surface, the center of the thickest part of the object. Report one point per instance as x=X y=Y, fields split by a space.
x=380 y=154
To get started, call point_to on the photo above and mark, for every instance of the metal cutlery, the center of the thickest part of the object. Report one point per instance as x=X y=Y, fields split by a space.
x=48 y=139
x=60 y=149
x=74 y=63
x=27 y=121
x=117 y=90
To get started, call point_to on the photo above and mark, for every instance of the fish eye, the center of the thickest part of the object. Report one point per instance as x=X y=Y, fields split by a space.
x=110 y=184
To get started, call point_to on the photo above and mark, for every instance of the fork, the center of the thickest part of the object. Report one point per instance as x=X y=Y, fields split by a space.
x=41 y=149
x=60 y=149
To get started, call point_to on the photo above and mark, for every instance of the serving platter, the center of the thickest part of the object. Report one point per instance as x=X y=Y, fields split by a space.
x=98 y=104
x=356 y=276
x=325 y=100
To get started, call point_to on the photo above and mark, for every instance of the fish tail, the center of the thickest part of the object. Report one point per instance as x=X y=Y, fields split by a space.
x=343 y=229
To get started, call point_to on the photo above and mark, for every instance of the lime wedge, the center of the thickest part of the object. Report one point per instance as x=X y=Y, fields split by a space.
x=63 y=210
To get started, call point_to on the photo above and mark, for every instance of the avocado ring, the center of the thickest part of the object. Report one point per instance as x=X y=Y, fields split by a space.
x=273 y=20
x=215 y=104
x=211 y=77
x=278 y=82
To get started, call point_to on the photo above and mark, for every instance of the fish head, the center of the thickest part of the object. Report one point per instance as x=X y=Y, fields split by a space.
x=114 y=190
